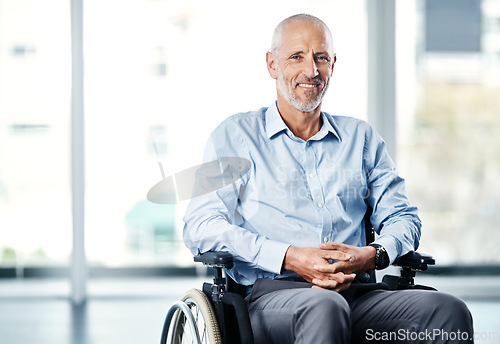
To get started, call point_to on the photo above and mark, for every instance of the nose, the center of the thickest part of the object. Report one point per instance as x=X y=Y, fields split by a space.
x=310 y=68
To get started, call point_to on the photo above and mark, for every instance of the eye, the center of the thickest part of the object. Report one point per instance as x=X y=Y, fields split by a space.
x=322 y=58
x=294 y=57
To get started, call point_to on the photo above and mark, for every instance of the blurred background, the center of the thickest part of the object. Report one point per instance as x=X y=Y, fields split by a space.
x=165 y=73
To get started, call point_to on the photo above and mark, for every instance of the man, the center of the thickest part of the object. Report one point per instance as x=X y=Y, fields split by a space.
x=297 y=214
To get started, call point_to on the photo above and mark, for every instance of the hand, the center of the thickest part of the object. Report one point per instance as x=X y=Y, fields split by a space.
x=337 y=281
x=362 y=259
x=303 y=261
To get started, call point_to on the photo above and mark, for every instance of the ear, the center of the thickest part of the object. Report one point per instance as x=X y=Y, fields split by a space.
x=271 y=65
x=333 y=64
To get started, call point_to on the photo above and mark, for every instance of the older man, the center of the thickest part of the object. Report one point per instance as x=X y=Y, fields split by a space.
x=297 y=214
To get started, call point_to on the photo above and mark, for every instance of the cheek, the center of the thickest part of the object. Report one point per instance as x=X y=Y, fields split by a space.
x=290 y=71
x=326 y=72
x=286 y=77
x=326 y=77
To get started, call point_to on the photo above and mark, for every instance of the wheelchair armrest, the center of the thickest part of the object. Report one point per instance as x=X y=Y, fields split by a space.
x=215 y=259
x=415 y=261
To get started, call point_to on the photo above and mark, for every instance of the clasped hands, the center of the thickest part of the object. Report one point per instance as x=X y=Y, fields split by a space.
x=313 y=264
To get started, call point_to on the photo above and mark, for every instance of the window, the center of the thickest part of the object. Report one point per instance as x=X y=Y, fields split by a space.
x=35 y=218
x=448 y=126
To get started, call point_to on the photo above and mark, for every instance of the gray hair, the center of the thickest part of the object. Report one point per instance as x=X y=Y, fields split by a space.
x=302 y=17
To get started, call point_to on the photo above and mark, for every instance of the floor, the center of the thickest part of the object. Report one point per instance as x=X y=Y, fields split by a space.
x=131 y=311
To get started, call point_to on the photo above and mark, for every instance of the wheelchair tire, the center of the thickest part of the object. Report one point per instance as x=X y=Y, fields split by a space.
x=204 y=317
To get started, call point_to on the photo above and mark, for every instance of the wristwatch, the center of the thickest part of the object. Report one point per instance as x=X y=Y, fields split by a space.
x=381 y=257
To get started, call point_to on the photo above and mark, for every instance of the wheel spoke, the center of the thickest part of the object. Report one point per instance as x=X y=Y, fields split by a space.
x=204 y=321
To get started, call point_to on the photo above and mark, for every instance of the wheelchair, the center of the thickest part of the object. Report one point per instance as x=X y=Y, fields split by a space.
x=218 y=313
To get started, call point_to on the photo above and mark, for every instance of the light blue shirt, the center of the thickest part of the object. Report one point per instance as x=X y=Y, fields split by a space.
x=299 y=193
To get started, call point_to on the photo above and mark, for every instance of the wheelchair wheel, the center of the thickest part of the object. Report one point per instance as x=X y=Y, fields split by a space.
x=204 y=318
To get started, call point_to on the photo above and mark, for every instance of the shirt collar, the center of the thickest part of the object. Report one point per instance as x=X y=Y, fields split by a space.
x=327 y=127
x=275 y=124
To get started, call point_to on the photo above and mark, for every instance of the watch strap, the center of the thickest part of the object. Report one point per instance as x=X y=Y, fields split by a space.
x=381 y=257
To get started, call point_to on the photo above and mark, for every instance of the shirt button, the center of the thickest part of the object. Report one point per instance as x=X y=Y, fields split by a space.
x=320 y=205
x=325 y=239
x=311 y=176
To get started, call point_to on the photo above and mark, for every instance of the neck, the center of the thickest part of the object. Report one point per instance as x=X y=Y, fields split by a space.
x=302 y=124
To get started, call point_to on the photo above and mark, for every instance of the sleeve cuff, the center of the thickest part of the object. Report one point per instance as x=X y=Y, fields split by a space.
x=390 y=246
x=271 y=256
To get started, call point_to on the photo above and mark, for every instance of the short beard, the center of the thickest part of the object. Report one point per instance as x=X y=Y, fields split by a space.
x=304 y=106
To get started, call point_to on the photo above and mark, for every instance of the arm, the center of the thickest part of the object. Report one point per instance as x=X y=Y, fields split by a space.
x=212 y=221
x=210 y=225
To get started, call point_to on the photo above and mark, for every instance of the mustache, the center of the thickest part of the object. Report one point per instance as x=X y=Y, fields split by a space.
x=317 y=80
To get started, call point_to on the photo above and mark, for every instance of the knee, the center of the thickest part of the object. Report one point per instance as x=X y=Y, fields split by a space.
x=449 y=304
x=325 y=317
x=456 y=307
x=452 y=312
x=327 y=305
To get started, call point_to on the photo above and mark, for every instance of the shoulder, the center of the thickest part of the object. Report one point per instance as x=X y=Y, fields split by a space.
x=244 y=119
x=243 y=124
x=236 y=131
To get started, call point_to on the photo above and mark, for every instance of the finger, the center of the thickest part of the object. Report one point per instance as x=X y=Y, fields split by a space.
x=346 y=284
x=332 y=281
x=345 y=267
x=349 y=278
x=342 y=267
x=325 y=283
x=326 y=268
x=335 y=255
x=334 y=246
x=331 y=285
x=318 y=287
x=338 y=289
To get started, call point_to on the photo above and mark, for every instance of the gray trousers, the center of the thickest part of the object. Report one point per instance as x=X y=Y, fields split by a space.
x=321 y=316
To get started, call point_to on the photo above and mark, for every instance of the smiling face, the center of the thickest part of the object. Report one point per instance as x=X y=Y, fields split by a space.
x=302 y=64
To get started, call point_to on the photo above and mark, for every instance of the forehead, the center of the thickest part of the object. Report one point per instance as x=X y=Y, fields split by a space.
x=305 y=35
